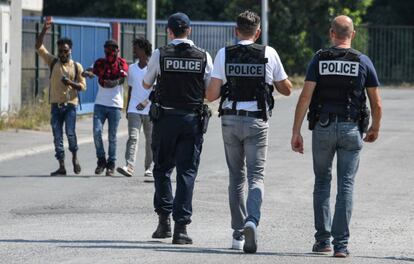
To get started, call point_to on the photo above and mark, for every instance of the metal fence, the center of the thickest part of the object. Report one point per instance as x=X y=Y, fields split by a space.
x=210 y=36
x=391 y=48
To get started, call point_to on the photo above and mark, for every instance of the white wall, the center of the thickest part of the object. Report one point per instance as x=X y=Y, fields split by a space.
x=4 y=58
x=15 y=54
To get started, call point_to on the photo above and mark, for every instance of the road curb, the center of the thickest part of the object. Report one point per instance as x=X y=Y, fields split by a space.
x=47 y=147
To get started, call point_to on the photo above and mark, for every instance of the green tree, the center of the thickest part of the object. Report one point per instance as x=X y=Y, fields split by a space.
x=103 y=8
x=385 y=12
x=298 y=28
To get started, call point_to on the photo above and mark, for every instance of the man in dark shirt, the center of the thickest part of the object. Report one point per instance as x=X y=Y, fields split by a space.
x=335 y=89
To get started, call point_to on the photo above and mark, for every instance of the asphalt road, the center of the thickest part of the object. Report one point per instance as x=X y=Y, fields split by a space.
x=98 y=219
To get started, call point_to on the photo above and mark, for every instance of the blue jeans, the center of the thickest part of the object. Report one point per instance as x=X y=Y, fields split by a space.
x=176 y=142
x=67 y=115
x=100 y=114
x=345 y=140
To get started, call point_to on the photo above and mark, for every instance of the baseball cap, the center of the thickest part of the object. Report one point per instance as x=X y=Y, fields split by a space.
x=111 y=42
x=178 y=21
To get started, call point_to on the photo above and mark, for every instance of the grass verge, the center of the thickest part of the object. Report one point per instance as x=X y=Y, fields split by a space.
x=32 y=116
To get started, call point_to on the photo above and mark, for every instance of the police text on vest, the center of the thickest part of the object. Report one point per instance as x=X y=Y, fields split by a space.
x=334 y=67
x=183 y=65
x=245 y=70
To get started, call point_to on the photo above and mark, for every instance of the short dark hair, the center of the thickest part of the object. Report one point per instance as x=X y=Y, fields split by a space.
x=248 y=22
x=144 y=44
x=64 y=41
x=180 y=32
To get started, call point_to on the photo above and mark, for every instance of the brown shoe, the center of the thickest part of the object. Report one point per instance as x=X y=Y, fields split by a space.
x=342 y=253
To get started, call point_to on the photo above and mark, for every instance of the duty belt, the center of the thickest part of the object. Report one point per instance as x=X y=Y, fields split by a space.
x=340 y=118
x=256 y=114
x=179 y=112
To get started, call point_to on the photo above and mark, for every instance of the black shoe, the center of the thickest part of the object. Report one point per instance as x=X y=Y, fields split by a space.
x=110 y=168
x=180 y=235
x=164 y=227
x=323 y=246
x=76 y=165
x=101 y=166
x=61 y=170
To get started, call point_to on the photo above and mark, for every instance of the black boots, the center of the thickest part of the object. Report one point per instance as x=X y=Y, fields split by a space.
x=75 y=162
x=164 y=227
x=180 y=235
x=101 y=166
x=61 y=170
x=108 y=165
x=164 y=231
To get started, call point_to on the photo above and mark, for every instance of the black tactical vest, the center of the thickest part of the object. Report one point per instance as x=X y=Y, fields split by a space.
x=181 y=82
x=337 y=90
x=245 y=67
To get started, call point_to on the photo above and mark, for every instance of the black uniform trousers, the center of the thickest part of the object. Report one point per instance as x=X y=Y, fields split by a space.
x=176 y=142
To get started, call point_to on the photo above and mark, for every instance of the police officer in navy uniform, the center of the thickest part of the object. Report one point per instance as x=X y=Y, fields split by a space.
x=335 y=89
x=244 y=76
x=182 y=71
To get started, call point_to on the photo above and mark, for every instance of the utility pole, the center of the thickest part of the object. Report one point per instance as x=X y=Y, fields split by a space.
x=15 y=54
x=265 y=23
x=151 y=22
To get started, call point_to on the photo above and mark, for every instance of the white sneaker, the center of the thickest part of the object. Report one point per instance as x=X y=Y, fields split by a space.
x=237 y=244
x=148 y=177
x=250 y=235
x=126 y=171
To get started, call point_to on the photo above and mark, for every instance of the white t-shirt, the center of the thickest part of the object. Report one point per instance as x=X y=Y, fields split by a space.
x=154 y=64
x=274 y=73
x=112 y=97
x=138 y=93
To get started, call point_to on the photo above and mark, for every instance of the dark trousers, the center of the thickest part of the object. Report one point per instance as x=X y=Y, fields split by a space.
x=63 y=114
x=176 y=142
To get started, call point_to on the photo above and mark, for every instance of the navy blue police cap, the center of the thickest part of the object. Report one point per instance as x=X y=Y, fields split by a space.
x=178 y=21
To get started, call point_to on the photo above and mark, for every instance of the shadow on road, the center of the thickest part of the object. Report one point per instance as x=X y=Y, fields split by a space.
x=160 y=246
x=66 y=176
x=60 y=241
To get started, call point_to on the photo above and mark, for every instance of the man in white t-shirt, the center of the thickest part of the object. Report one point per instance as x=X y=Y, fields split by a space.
x=111 y=72
x=244 y=75
x=137 y=112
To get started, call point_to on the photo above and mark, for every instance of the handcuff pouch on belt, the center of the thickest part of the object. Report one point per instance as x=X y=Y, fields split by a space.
x=324 y=120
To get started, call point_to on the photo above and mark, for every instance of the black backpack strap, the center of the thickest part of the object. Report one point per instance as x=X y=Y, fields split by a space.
x=52 y=65
x=76 y=78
